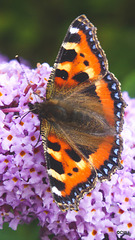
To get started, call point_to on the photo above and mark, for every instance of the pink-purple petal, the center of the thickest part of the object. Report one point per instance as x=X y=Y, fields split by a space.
x=25 y=190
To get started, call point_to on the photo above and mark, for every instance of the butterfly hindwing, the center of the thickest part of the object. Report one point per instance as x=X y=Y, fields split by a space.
x=108 y=90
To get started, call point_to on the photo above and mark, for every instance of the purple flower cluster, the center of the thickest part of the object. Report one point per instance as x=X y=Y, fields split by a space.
x=108 y=211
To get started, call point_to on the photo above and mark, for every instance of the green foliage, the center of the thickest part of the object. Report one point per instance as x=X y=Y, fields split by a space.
x=35 y=29
x=129 y=84
x=30 y=232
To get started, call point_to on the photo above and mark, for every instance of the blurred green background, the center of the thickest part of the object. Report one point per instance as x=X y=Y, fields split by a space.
x=35 y=29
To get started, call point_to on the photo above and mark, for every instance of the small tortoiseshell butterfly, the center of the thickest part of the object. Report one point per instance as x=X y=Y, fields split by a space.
x=82 y=117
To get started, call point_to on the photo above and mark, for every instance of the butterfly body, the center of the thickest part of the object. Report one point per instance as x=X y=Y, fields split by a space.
x=82 y=117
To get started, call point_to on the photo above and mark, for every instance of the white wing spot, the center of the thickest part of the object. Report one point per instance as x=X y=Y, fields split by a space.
x=56 y=191
x=73 y=30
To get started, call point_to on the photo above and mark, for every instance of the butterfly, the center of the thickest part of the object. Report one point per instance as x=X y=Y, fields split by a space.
x=82 y=117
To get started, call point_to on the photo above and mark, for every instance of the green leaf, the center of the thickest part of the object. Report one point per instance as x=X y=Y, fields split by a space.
x=30 y=231
x=128 y=84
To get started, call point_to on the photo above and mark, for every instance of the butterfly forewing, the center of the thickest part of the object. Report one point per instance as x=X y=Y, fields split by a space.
x=80 y=57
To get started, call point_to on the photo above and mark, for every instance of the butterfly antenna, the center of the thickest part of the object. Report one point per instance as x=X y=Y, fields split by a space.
x=25 y=114
x=23 y=71
x=19 y=61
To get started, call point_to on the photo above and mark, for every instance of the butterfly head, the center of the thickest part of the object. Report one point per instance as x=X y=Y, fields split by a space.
x=39 y=108
x=49 y=110
x=34 y=108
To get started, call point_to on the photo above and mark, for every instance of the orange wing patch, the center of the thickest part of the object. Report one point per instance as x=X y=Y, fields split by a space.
x=107 y=102
x=102 y=153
